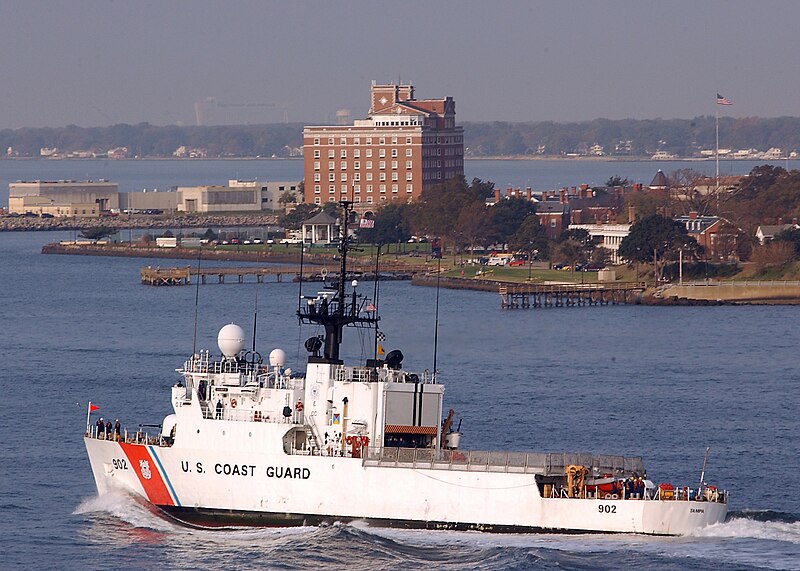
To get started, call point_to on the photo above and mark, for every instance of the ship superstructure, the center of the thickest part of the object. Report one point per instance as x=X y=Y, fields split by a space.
x=254 y=443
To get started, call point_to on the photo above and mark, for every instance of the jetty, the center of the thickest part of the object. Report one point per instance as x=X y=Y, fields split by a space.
x=158 y=276
x=525 y=296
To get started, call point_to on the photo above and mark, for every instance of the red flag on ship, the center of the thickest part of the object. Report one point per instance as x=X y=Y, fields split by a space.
x=93 y=407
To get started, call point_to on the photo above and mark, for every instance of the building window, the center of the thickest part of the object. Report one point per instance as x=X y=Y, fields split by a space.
x=394 y=153
x=382 y=189
x=408 y=152
x=369 y=176
x=331 y=165
x=344 y=176
x=356 y=165
x=356 y=153
x=382 y=165
x=369 y=188
x=382 y=141
x=408 y=140
x=409 y=188
x=343 y=165
x=331 y=177
x=369 y=141
x=343 y=153
x=316 y=189
x=331 y=154
x=552 y=223
x=408 y=164
x=394 y=189
x=332 y=199
x=317 y=200
x=316 y=140
x=330 y=140
x=394 y=176
x=357 y=199
x=356 y=140
x=316 y=153
x=342 y=140
x=369 y=200
x=356 y=188
x=394 y=140
x=331 y=188
x=369 y=165
x=383 y=176
x=382 y=153
x=316 y=165
x=408 y=176
x=316 y=177
x=394 y=165
x=368 y=153
x=356 y=176
x=343 y=189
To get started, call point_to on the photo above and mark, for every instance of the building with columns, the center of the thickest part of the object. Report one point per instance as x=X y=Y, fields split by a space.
x=404 y=146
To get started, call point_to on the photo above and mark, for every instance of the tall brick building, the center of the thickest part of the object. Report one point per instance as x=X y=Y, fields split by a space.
x=404 y=145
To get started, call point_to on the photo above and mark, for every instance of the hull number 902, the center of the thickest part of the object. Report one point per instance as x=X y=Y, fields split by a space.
x=120 y=464
x=607 y=509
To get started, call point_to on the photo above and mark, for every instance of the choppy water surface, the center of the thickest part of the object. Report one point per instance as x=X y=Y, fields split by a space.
x=660 y=382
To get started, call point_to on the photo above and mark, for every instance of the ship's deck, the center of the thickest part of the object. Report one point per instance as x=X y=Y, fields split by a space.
x=544 y=463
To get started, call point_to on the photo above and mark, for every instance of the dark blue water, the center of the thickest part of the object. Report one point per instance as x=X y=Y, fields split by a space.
x=660 y=382
x=135 y=175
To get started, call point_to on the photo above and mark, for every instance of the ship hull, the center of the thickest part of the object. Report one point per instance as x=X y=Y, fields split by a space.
x=215 y=488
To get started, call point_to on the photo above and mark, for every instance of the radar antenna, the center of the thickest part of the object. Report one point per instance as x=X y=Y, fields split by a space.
x=337 y=311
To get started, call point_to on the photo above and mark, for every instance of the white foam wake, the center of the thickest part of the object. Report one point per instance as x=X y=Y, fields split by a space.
x=740 y=527
x=126 y=508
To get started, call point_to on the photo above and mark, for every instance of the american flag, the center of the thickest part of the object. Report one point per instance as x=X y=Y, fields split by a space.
x=722 y=100
x=366 y=223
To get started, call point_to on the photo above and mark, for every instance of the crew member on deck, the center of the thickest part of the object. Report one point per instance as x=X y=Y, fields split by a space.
x=219 y=410
x=100 y=427
x=117 y=429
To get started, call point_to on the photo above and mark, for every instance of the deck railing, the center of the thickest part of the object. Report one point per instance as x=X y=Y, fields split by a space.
x=545 y=463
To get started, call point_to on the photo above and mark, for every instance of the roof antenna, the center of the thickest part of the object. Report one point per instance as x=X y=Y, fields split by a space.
x=196 y=300
x=255 y=321
x=300 y=281
x=436 y=326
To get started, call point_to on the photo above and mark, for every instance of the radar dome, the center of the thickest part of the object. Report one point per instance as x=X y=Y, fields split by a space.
x=277 y=358
x=230 y=340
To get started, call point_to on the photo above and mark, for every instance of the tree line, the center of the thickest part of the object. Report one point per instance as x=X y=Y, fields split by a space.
x=623 y=137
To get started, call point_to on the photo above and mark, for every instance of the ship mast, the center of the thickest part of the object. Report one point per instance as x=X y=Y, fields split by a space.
x=338 y=312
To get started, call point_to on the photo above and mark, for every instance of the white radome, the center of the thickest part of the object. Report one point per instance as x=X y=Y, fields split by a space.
x=230 y=340
x=277 y=358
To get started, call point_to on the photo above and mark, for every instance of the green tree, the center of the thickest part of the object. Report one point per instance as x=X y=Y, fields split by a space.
x=530 y=237
x=437 y=211
x=617 y=180
x=656 y=238
x=507 y=217
x=391 y=225
x=98 y=232
x=287 y=197
x=294 y=219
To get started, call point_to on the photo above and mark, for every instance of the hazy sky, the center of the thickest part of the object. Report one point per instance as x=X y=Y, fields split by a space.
x=102 y=62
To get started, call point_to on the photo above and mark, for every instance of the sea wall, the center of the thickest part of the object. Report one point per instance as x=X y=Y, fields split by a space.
x=736 y=292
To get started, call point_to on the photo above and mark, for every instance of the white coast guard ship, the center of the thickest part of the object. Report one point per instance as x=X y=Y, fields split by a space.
x=254 y=444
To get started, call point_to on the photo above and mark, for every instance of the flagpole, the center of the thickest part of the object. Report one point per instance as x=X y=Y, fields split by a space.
x=716 y=108
x=88 y=414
